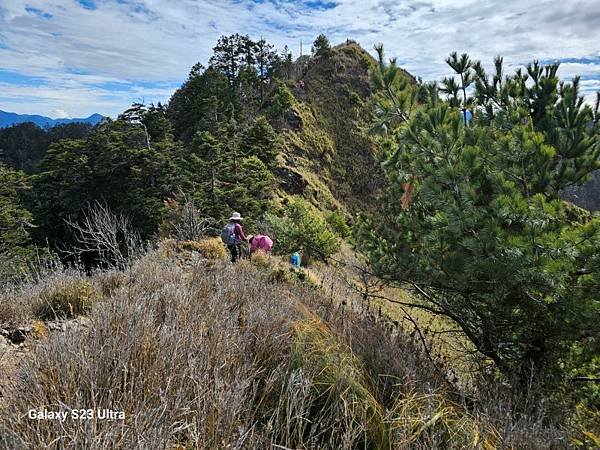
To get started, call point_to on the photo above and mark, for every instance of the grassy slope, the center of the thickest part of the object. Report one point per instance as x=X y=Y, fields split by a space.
x=331 y=150
x=200 y=354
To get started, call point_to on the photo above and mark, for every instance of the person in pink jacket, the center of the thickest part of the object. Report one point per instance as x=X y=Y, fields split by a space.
x=260 y=242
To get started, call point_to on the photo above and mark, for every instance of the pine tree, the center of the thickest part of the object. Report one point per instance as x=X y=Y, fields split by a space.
x=231 y=54
x=321 y=46
x=266 y=61
x=259 y=140
x=484 y=238
x=15 y=223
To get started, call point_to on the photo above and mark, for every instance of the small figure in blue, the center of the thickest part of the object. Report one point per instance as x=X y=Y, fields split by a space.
x=295 y=259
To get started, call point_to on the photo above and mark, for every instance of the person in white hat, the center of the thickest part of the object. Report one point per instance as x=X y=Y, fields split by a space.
x=233 y=236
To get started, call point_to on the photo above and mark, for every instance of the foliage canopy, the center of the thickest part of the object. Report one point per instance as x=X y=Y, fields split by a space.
x=474 y=221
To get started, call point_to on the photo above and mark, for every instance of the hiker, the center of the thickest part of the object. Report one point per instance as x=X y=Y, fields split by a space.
x=233 y=235
x=260 y=242
x=295 y=259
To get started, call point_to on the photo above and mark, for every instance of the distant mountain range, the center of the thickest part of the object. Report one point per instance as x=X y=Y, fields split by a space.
x=8 y=119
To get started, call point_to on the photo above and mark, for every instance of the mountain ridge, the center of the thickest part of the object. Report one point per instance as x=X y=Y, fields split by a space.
x=8 y=119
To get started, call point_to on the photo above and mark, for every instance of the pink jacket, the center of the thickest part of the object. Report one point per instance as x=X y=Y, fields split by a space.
x=261 y=242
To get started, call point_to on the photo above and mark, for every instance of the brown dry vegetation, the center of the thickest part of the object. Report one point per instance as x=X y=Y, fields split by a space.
x=208 y=355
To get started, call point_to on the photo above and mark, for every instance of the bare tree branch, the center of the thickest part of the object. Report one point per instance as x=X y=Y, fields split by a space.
x=109 y=236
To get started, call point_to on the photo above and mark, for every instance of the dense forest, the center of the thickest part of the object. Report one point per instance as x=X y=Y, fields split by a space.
x=454 y=191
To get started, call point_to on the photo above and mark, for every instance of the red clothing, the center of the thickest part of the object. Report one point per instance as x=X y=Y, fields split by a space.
x=238 y=232
x=261 y=242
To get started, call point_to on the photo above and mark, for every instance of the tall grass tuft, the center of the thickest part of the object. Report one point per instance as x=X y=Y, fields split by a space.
x=65 y=297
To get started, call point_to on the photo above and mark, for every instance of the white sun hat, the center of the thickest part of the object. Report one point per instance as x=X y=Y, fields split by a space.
x=236 y=216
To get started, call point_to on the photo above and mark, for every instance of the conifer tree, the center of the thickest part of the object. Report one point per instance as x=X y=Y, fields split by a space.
x=251 y=189
x=231 y=54
x=285 y=64
x=483 y=237
x=15 y=223
x=321 y=46
x=210 y=165
x=15 y=220
x=266 y=61
x=259 y=140
x=118 y=165
x=200 y=103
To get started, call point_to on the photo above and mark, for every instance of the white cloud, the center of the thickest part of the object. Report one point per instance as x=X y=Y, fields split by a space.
x=60 y=114
x=96 y=60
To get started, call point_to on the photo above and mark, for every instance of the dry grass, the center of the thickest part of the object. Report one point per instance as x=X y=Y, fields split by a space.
x=212 y=248
x=217 y=356
x=61 y=294
x=209 y=248
x=261 y=259
x=65 y=297
x=12 y=311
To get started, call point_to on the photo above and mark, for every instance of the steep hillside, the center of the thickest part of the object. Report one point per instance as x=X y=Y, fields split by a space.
x=328 y=156
x=318 y=107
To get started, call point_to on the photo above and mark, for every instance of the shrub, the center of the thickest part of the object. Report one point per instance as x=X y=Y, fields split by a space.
x=39 y=330
x=65 y=297
x=283 y=100
x=188 y=246
x=261 y=259
x=212 y=248
x=167 y=248
x=183 y=220
x=302 y=228
x=209 y=248
x=337 y=223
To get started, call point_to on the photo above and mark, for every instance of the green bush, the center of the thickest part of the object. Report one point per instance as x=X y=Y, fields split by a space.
x=283 y=100
x=301 y=228
x=337 y=223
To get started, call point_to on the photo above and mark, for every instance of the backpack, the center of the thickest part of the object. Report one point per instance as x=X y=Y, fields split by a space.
x=228 y=234
x=295 y=259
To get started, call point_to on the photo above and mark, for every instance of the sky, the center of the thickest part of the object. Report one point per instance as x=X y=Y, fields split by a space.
x=72 y=58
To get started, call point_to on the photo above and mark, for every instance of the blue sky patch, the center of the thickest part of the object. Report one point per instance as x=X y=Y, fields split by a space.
x=87 y=4
x=319 y=5
x=38 y=12
x=585 y=60
x=8 y=76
